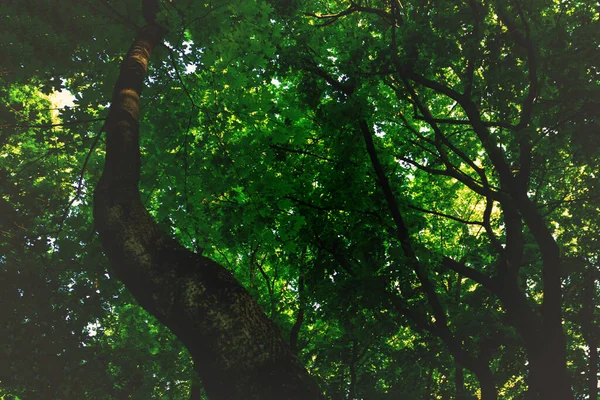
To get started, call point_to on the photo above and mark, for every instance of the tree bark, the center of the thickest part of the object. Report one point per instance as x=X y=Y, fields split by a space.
x=237 y=351
x=593 y=372
x=589 y=330
x=459 y=381
x=295 y=332
x=547 y=353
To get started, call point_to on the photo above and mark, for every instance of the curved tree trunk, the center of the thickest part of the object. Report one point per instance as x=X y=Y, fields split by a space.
x=238 y=352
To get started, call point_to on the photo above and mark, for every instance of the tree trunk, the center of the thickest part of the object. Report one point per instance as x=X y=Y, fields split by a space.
x=547 y=346
x=353 y=367
x=459 y=381
x=238 y=352
x=486 y=382
x=481 y=369
x=588 y=328
x=195 y=391
x=593 y=372
x=548 y=377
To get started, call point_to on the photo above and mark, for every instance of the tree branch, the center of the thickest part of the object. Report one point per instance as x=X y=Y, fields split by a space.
x=489 y=124
x=439 y=214
x=470 y=273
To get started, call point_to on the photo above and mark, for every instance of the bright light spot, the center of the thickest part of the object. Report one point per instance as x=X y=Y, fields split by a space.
x=190 y=69
x=378 y=131
x=187 y=46
x=92 y=329
x=62 y=99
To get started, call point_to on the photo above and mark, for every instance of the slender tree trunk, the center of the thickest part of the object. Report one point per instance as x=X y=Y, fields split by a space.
x=459 y=381
x=429 y=387
x=353 y=366
x=588 y=328
x=593 y=371
x=238 y=352
x=295 y=332
x=459 y=372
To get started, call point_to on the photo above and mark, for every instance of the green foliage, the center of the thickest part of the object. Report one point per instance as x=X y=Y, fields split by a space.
x=252 y=155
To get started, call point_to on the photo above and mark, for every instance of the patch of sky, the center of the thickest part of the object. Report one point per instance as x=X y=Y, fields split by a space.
x=378 y=131
x=62 y=98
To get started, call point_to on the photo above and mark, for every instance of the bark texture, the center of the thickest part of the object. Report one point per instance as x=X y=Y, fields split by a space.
x=238 y=352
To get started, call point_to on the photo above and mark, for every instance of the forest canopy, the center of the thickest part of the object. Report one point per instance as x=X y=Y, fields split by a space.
x=299 y=199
